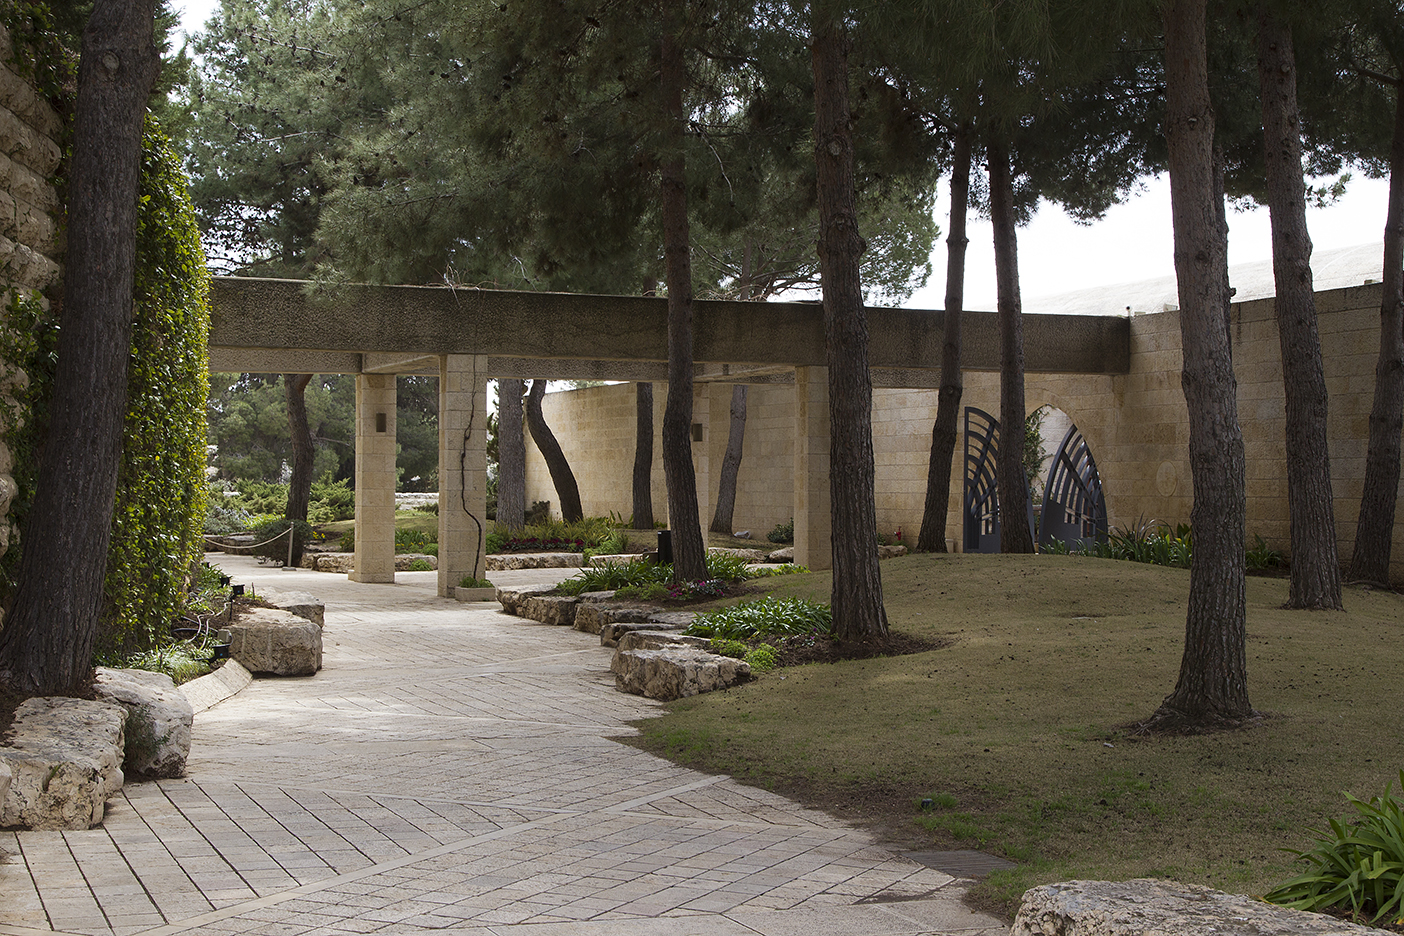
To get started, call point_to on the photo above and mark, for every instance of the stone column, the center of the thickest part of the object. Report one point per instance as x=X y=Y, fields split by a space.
x=375 y=479
x=463 y=521
x=812 y=521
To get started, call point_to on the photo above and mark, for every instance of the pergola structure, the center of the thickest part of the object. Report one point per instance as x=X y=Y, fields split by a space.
x=467 y=336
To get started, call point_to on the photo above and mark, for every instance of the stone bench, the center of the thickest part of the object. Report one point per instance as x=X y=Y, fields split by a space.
x=675 y=672
x=274 y=641
x=159 y=717
x=1163 y=908
x=65 y=759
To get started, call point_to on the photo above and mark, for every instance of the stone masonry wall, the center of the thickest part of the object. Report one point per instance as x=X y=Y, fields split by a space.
x=31 y=247
x=1136 y=424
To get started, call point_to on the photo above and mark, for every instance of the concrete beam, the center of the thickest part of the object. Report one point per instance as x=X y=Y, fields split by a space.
x=263 y=314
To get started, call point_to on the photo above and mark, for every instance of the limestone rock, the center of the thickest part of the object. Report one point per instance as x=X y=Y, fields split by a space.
x=270 y=640
x=405 y=560
x=512 y=599
x=676 y=672
x=891 y=552
x=614 y=559
x=506 y=562
x=1163 y=908
x=550 y=609
x=159 y=717
x=678 y=619
x=329 y=562
x=592 y=617
x=784 y=554
x=656 y=639
x=5 y=777
x=750 y=555
x=65 y=760
x=611 y=633
x=300 y=603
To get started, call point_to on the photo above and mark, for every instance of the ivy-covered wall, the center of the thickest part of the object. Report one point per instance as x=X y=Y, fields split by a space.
x=160 y=505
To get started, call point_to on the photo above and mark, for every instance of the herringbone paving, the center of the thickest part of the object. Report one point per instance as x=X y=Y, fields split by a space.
x=453 y=769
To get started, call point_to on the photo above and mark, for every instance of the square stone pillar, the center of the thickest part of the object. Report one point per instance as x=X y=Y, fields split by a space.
x=813 y=523
x=463 y=523
x=375 y=479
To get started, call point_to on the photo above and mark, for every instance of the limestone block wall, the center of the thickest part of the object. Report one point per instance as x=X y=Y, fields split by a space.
x=31 y=248
x=1136 y=424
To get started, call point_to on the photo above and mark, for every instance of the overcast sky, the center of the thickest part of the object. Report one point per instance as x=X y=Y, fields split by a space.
x=1133 y=243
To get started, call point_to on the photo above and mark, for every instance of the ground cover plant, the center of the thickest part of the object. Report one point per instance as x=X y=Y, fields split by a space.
x=1021 y=732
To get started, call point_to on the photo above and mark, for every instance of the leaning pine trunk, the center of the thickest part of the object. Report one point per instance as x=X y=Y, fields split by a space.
x=731 y=463
x=47 y=644
x=1374 y=528
x=561 y=475
x=932 y=537
x=857 y=605
x=1014 y=533
x=643 y=456
x=1316 y=572
x=1213 y=683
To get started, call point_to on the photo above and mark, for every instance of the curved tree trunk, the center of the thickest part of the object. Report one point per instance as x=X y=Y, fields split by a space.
x=1316 y=572
x=856 y=600
x=1374 y=529
x=47 y=644
x=561 y=476
x=1213 y=682
x=1014 y=533
x=689 y=550
x=511 y=455
x=300 y=484
x=731 y=462
x=932 y=537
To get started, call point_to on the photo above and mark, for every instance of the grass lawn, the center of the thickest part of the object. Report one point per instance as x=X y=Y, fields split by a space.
x=1018 y=729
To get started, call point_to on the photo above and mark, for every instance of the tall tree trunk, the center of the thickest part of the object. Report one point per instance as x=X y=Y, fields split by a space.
x=932 y=537
x=1213 y=682
x=1316 y=572
x=857 y=605
x=511 y=455
x=1374 y=529
x=689 y=550
x=561 y=476
x=1014 y=533
x=300 y=484
x=643 y=456
x=47 y=644
x=731 y=462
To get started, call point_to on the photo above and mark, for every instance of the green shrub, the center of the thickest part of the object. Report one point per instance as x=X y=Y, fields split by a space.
x=1262 y=556
x=729 y=648
x=430 y=508
x=181 y=660
x=647 y=591
x=469 y=582
x=783 y=532
x=1359 y=865
x=614 y=577
x=272 y=537
x=766 y=617
x=413 y=540
x=762 y=659
x=728 y=568
x=785 y=568
x=331 y=500
x=420 y=565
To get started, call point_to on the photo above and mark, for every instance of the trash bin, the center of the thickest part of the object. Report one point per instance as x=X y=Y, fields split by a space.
x=665 y=547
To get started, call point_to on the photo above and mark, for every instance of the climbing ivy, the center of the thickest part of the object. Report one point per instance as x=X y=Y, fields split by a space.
x=158 y=518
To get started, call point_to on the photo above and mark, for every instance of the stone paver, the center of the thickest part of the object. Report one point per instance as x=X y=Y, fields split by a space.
x=453 y=769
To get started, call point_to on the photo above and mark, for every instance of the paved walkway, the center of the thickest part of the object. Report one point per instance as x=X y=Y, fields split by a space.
x=452 y=769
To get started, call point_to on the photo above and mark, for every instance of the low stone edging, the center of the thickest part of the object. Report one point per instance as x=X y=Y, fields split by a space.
x=675 y=672
x=159 y=717
x=344 y=562
x=65 y=759
x=508 y=562
x=1149 y=907
x=216 y=686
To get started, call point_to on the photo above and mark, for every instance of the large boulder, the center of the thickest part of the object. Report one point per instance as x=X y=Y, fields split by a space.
x=1147 y=907
x=611 y=633
x=274 y=641
x=300 y=603
x=675 y=672
x=550 y=609
x=750 y=555
x=656 y=639
x=593 y=616
x=512 y=599
x=65 y=760
x=159 y=717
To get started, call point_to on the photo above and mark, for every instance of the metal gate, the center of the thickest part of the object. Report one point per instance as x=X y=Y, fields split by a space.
x=981 y=483
x=1074 y=509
